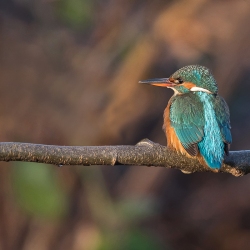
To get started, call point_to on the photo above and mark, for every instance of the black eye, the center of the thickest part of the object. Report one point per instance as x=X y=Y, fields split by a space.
x=178 y=80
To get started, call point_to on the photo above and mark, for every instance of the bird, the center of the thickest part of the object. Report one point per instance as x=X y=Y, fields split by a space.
x=196 y=119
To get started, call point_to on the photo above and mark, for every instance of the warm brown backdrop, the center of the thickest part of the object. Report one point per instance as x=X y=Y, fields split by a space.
x=68 y=76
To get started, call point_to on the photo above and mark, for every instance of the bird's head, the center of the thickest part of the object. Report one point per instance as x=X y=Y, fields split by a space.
x=189 y=78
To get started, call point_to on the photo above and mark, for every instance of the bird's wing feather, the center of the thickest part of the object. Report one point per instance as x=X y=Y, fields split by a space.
x=187 y=119
x=223 y=119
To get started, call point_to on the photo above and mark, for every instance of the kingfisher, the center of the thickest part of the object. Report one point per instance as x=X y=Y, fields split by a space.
x=196 y=119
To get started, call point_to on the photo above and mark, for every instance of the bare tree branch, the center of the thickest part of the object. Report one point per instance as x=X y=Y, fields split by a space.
x=146 y=153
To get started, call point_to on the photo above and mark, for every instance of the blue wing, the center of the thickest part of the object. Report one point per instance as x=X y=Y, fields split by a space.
x=187 y=119
x=223 y=118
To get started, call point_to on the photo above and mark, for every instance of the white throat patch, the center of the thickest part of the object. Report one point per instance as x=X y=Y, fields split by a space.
x=200 y=89
x=175 y=91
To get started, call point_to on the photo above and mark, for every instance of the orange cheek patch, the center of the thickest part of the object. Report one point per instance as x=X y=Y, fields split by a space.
x=188 y=85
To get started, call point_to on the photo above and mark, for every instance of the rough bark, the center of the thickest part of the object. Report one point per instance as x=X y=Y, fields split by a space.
x=146 y=153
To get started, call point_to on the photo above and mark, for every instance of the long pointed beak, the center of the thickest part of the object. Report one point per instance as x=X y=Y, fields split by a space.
x=161 y=82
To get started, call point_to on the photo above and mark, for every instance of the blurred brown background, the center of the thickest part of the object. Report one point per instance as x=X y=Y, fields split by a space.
x=69 y=72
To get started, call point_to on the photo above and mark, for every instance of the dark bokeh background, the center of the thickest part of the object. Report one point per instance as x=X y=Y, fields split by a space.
x=68 y=76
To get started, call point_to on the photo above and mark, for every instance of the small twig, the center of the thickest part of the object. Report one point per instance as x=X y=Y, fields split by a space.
x=144 y=153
